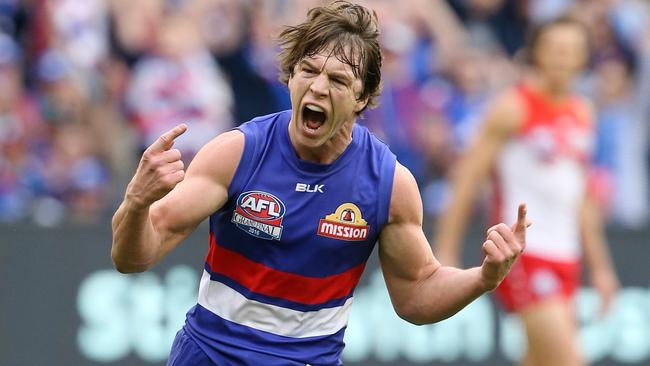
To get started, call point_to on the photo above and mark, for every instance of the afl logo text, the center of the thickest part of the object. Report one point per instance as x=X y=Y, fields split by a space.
x=259 y=214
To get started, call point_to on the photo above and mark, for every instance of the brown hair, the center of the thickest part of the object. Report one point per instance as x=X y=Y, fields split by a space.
x=349 y=31
x=535 y=33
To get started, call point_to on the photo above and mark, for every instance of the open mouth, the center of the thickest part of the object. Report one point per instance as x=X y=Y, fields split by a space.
x=313 y=116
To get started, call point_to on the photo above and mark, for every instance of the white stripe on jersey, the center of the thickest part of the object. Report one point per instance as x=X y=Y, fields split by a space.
x=229 y=304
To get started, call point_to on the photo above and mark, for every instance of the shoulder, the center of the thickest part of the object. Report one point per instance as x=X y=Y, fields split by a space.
x=507 y=112
x=585 y=109
x=510 y=105
x=510 y=100
x=405 y=204
x=227 y=140
x=219 y=158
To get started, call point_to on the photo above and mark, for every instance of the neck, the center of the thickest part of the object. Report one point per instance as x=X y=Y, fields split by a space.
x=329 y=151
x=552 y=90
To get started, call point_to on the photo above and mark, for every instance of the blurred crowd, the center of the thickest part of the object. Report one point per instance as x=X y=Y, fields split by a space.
x=86 y=85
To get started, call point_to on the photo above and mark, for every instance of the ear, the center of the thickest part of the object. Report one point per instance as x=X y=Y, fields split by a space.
x=292 y=72
x=290 y=79
x=360 y=104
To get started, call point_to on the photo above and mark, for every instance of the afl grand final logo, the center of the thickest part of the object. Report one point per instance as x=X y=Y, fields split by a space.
x=345 y=223
x=259 y=214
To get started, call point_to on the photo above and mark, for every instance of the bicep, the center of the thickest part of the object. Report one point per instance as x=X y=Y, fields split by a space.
x=203 y=191
x=183 y=209
x=404 y=252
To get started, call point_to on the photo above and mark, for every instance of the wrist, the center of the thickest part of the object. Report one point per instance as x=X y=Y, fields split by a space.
x=134 y=200
x=602 y=266
x=481 y=283
x=133 y=203
x=601 y=270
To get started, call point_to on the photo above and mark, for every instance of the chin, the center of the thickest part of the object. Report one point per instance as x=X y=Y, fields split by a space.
x=305 y=139
x=311 y=142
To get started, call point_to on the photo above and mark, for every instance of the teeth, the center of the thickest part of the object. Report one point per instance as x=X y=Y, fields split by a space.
x=314 y=108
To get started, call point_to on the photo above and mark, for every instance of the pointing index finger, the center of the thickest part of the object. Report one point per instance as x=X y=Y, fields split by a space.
x=519 y=228
x=521 y=218
x=166 y=140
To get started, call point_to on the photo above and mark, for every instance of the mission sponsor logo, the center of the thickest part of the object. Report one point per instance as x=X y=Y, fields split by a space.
x=346 y=223
x=259 y=214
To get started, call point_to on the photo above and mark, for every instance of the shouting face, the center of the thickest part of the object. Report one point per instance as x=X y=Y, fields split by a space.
x=325 y=99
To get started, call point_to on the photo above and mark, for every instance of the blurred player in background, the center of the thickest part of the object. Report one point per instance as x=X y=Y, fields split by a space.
x=536 y=141
x=296 y=201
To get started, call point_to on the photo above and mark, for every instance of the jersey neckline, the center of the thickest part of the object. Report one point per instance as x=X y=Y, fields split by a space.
x=290 y=155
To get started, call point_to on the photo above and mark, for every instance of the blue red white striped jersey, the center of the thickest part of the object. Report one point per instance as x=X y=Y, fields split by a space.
x=288 y=248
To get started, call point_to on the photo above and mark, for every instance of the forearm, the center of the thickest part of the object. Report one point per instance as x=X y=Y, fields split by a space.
x=596 y=252
x=444 y=293
x=601 y=269
x=135 y=243
x=447 y=30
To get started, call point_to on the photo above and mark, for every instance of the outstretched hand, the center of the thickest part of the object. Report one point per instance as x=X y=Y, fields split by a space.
x=502 y=247
x=159 y=171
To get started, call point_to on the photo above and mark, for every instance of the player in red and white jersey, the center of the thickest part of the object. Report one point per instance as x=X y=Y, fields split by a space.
x=536 y=143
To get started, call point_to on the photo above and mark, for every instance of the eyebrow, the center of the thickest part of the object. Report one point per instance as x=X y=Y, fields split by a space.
x=337 y=74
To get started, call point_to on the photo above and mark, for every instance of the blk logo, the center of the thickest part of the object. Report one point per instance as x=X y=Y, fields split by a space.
x=302 y=187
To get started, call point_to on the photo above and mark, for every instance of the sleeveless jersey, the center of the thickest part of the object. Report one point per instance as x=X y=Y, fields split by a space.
x=288 y=248
x=545 y=165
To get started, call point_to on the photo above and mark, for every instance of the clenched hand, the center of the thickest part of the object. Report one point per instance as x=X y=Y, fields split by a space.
x=502 y=247
x=159 y=171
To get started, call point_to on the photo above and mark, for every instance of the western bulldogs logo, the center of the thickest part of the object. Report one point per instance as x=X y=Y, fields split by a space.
x=259 y=214
x=346 y=223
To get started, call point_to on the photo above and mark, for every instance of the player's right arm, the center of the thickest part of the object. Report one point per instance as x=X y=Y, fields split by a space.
x=501 y=122
x=163 y=204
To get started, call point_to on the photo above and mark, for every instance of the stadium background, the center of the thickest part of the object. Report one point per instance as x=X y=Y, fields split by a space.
x=86 y=84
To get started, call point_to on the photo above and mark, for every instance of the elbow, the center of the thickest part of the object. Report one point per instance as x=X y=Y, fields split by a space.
x=417 y=316
x=413 y=315
x=414 y=320
x=126 y=267
x=418 y=319
x=129 y=268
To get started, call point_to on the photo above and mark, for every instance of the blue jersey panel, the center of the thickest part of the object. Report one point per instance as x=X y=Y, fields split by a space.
x=362 y=177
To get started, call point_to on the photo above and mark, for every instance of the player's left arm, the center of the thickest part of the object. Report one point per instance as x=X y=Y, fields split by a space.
x=596 y=253
x=601 y=270
x=421 y=289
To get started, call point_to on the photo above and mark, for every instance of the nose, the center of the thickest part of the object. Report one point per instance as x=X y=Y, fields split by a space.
x=320 y=85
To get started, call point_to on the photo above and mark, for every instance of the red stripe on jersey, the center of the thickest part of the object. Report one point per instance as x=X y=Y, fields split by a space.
x=267 y=281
